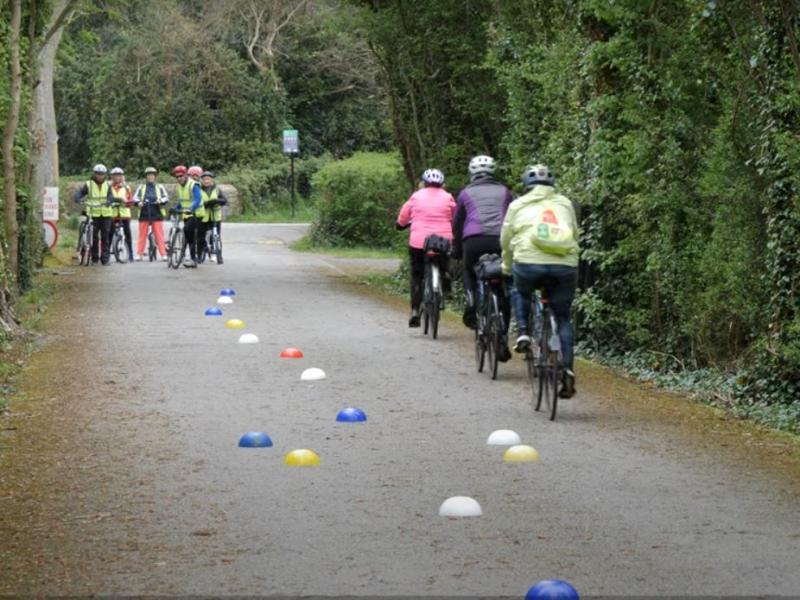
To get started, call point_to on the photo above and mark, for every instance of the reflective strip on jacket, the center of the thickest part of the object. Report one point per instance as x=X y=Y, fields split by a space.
x=212 y=213
x=186 y=198
x=120 y=209
x=98 y=194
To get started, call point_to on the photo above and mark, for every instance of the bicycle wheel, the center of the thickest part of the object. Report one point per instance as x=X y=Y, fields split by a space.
x=480 y=351
x=542 y=370
x=177 y=249
x=86 y=245
x=151 y=249
x=218 y=248
x=435 y=308
x=116 y=246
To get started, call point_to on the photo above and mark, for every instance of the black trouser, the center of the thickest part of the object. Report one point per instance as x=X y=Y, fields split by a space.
x=193 y=227
x=209 y=226
x=473 y=248
x=417 y=258
x=101 y=239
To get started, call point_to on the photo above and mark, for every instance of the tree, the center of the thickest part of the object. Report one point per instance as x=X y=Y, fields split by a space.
x=9 y=132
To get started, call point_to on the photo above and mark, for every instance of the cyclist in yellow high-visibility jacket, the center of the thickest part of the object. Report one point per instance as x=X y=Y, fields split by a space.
x=213 y=200
x=189 y=199
x=123 y=199
x=97 y=191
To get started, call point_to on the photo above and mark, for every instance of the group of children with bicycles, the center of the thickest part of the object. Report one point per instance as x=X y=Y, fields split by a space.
x=109 y=205
x=536 y=236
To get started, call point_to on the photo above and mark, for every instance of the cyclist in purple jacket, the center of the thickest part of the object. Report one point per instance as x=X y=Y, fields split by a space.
x=480 y=209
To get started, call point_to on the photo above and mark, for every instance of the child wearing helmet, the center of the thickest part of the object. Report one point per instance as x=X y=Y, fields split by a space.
x=123 y=200
x=429 y=211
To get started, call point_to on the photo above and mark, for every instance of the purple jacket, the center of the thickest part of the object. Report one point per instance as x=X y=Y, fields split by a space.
x=480 y=209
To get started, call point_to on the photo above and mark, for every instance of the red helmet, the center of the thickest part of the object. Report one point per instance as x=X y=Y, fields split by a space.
x=195 y=171
x=178 y=171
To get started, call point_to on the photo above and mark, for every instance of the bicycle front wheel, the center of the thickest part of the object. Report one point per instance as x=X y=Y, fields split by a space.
x=177 y=249
x=151 y=250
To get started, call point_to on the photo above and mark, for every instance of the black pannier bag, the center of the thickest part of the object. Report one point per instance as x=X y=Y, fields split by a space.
x=438 y=244
x=490 y=266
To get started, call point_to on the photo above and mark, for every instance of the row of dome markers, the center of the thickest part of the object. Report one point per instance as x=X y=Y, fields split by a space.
x=453 y=508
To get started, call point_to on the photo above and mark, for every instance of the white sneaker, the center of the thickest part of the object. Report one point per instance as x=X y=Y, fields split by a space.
x=164 y=258
x=523 y=344
x=139 y=258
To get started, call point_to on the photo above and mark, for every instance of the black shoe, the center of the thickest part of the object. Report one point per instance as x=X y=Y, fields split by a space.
x=567 y=384
x=470 y=320
x=504 y=354
x=219 y=259
x=413 y=319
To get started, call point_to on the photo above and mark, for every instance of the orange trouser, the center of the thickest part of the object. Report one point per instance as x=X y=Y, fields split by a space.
x=158 y=230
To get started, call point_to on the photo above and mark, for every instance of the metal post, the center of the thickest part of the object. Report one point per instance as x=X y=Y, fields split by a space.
x=293 y=202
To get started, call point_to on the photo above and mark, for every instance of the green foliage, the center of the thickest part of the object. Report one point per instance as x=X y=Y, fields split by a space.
x=357 y=201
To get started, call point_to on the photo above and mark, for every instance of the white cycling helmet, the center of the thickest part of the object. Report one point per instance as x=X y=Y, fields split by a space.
x=537 y=174
x=482 y=164
x=433 y=177
x=100 y=168
x=117 y=171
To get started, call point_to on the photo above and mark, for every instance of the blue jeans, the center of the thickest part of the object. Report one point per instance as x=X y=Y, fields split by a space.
x=559 y=283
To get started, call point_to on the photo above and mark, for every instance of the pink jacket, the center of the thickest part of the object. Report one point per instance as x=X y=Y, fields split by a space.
x=430 y=211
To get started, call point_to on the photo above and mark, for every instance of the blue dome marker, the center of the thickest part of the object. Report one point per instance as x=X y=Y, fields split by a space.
x=552 y=589
x=255 y=439
x=227 y=292
x=351 y=415
x=213 y=312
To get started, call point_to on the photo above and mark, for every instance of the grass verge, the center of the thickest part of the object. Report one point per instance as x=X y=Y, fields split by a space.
x=304 y=214
x=305 y=244
x=30 y=309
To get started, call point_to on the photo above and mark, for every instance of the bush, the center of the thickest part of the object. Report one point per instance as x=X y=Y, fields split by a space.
x=357 y=201
x=267 y=187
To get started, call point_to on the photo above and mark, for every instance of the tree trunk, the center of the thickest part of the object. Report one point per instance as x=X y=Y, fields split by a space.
x=9 y=168
x=45 y=133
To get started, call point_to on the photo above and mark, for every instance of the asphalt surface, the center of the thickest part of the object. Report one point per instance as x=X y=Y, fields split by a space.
x=121 y=471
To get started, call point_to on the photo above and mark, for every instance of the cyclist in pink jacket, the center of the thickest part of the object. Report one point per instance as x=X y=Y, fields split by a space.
x=429 y=211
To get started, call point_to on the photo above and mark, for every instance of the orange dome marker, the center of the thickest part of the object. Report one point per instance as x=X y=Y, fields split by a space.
x=291 y=353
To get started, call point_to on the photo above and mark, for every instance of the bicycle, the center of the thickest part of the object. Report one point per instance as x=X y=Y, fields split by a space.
x=491 y=323
x=436 y=248
x=152 y=248
x=176 y=240
x=544 y=355
x=213 y=238
x=86 y=233
x=118 y=247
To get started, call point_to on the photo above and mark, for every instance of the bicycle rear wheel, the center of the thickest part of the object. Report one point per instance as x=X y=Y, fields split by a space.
x=480 y=351
x=542 y=366
x=435 y=309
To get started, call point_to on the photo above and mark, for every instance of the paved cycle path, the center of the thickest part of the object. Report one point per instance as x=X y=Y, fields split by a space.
x=120 y=471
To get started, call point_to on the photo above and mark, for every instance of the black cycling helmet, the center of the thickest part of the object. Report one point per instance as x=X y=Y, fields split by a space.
x=209 y=174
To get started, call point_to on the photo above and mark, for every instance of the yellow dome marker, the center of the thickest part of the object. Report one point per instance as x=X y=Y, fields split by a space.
x=521 y=453
x=235 y=324
x=301 y=458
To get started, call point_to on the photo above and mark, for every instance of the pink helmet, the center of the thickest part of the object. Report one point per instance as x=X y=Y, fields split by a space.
x=195 y=171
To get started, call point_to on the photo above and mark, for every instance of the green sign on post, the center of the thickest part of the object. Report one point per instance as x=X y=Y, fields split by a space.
x=291 y=146
x=291 y=141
